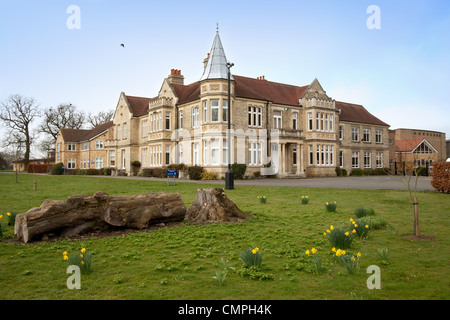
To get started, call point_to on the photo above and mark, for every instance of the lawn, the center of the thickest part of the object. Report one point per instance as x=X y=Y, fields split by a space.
x=179 y=262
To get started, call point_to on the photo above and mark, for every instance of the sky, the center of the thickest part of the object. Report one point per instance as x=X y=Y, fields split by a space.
x=395 y=61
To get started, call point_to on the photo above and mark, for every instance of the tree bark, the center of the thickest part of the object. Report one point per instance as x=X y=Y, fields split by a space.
x=80 y=213
x=416 y=217
x=212 y=205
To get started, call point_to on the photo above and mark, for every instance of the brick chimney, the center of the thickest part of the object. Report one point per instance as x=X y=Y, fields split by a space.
x=176 y=77
x=205 y=61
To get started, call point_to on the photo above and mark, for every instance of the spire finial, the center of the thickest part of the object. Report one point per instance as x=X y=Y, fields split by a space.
x=217 y=28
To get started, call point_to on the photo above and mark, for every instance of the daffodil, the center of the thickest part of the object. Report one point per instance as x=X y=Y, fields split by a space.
x=81 y=256
x=257 y=249
x=367 y=227
x=359 y=254
x=331 y=227
x=334 y=249
x=353 y=259
x=313 y=250
x=343 y=252
x=356 y=226
x=324 y=233
x=328 y=231
x=307 y=252
x=1 y=216
x=347 y=233
x=65 y=253
x=82 y=262
x=66 y=258
x=326 y=203
x=351 y=219
x=8 y=214
x=353 y=231
x=83 y=250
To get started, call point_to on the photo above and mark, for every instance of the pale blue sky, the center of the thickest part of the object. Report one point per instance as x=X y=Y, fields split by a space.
x=400 y=73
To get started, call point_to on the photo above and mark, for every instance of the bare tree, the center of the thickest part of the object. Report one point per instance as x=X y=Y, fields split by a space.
x=100 y=118
x=63 y=116
x=18 y=113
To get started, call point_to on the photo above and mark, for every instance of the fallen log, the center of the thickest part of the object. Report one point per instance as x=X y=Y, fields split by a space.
x=80 y=213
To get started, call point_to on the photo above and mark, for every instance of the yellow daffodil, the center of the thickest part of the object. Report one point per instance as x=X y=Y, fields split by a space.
x=347 y=233
x=334 y=249
x=353 y=259
x=356 y=226
x=359 y=254
x=326 y=203
x=66 y=258
x=343 y=252
x=8 y=214
x=82 y=262
x=303 y=197
x=81 y=256
x=367 y=227
x=307 y=252
x=334 y=202
x=313 y=250
x=264 y=197
x=83 y=250
x=254 y=251
x=1 y=216
x=328 y=231
x=324 y=233
x=353 y=231
x=338 y=253
x=331 y=227
x=351 y=219
x=306 y=197
x=65 y=253
x=257 y=249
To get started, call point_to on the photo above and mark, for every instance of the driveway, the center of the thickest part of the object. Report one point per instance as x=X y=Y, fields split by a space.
x=364 y=182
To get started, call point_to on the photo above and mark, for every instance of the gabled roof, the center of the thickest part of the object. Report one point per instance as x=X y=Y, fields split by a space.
x=78 y=135
x=187 y=93
x=138 y=105
x=411 y=144
x=357 y=113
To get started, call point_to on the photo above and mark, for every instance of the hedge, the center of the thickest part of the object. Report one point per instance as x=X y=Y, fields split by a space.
x=441 y=177
x=37 y=168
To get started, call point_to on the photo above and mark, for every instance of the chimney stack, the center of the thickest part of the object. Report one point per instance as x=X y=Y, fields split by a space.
x=205 y=61
x=176 y=77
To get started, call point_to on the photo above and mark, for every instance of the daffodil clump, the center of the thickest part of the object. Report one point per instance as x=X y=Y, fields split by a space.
x=360 y=227
x=1 y=225
x=252 y=257
x=304 y=199
x=317 y=262
x=82 y=260
x=350 y=262
x=331 y=206
x=339 y=237
x=262 y=199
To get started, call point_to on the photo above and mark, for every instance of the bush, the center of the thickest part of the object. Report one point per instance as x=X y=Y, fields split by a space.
x=37 y=168
x=92 y=172
x=57 y=169
x=331 y=206
x=357 y=172
x=208 y=175
x=338 y=171
x=239 y=170
x=195 y=172
x=339 y=238
x=107 y=171
x=441 y=177
x=362 y=212
x=135 y=167
x=361 y=227
x=344 y=172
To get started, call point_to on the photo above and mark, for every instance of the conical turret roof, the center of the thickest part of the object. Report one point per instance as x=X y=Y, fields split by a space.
x=216 y=67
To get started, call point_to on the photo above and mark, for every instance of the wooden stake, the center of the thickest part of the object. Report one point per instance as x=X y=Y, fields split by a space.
x=416 y=217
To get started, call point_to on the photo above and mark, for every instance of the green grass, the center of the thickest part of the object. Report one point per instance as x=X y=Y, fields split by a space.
x=180 y=262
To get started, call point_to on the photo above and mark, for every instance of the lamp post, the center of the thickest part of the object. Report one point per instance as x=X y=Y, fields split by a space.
x=229 y=175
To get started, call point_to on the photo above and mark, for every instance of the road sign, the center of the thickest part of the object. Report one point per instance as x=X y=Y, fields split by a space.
x=171 y=173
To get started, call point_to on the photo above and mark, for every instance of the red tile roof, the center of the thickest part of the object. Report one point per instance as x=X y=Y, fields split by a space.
x=357 y=113
x=138 y=105
x=407 y=145
x=78 y=135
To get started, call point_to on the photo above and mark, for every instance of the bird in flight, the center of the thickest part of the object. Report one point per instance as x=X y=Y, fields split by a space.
x=122 y=45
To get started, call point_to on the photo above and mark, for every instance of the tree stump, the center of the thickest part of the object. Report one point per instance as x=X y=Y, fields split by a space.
x=80 y=213
x=212 y=205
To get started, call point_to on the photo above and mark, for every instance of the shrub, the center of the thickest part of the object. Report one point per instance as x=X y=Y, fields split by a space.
x=252 y=257
x=147 y=172
x=304 y=199
x=107 y=171
x=361 y=227
x=338 y=171
x=441 y=177
x=208 y=175
x=330 y=206
x=81 y=172
x=239 y=170
x=135 y=167
x=195 y=172
x=159 y=172
x=344 y=172
x=362 y=212
x=357 y=172
x=57 y=169
x=339 y=238
x=37 y=168
x=92 y=172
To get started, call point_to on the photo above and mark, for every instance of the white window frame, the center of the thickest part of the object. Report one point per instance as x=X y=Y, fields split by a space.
x=378 y=136
x=71 y=163
x=367 y=159
x=224 y=110
x=215 y=152
x=71 y=146
x=310 y=121
x=214 y=110
x=124 y=131
x=355 y=159
x=355 y=134
x=366 y=135
x=98 y=163
x=99 y=144
x=196 y=154
x=112 y=157
x=379 y=160
x=295 y=120
x=195 y=117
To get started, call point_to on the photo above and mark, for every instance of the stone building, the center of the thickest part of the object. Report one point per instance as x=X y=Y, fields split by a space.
x=416 y=148
x=83 y=149
x=276 y=129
